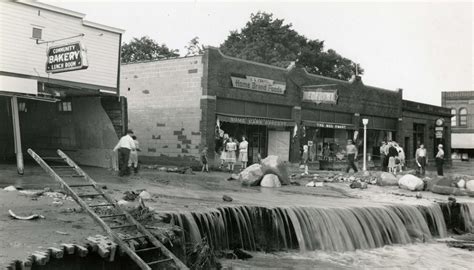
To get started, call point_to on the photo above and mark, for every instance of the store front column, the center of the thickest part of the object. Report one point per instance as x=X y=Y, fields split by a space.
x=295 y=147
x=17 y=135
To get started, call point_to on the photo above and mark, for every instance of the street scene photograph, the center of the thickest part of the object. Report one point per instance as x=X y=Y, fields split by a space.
x=236 y=135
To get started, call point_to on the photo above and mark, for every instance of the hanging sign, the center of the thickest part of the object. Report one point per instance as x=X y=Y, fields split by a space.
x=320 y=95
x=259 y=84
x=65 y=58
x=256 y=121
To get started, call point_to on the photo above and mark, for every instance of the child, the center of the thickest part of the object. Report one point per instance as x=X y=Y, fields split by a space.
x=304 y=159
x=204 y=159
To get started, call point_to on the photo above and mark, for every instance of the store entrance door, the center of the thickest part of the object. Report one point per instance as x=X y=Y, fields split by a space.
x=257 y=144
x=279 y=144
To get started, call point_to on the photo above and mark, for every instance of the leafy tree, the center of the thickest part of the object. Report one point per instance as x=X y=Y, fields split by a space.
x=194 y=47
x=145 y=48
x=271 y=41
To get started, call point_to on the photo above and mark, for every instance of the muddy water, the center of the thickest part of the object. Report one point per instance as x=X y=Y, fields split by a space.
x=412 y=256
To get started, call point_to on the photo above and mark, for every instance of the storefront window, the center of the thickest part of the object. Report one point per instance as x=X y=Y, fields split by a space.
x=463 y=117
x=453 y=117
x=326 y=143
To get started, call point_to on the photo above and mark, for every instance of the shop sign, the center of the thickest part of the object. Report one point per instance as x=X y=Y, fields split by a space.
x=439 y=128
x=255 y=121
x=327 y=125
x=439 y=134
x=259 y=84
x=320 y=95
x=65 y=58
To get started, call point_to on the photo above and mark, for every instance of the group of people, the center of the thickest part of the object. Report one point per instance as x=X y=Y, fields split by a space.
x=392 y=157
x=421 y=158
x=127 y=149
x=229 y=148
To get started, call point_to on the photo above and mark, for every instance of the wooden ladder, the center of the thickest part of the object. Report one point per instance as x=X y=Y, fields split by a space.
x=62 y=167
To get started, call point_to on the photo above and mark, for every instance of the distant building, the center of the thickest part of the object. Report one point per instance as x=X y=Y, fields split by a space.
x=461 y=104
x=176 y=105
x=59 y=84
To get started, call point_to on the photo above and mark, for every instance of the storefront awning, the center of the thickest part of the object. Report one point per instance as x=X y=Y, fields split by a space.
x=462 y=140
x=18 y=85
x=327 y=125
x=258 y=121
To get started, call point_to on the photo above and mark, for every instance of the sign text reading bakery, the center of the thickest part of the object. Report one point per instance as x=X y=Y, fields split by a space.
x=66 y=58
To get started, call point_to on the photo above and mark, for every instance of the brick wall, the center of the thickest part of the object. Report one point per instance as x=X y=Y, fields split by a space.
x=458 y=100
x=164 y=107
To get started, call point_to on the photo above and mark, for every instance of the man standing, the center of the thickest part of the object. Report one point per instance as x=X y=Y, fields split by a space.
x=440 y=160
x=124 y=146
x=351 y=151
x=421 y=159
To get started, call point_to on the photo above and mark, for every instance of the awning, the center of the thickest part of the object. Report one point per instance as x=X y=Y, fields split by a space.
x=462 y=140
x=18 y=85
x=257 y=121
x=327 y=125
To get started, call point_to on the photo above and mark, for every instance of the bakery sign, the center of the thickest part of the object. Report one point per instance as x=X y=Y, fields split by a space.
x=259 y=84
x=319 y=95
x=65 y=58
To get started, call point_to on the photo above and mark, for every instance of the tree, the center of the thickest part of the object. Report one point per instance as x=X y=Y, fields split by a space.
x=271 y=41
x=194 y=47
x=144 y=49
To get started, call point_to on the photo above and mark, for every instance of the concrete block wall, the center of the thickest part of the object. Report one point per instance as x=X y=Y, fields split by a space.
x=164 y=99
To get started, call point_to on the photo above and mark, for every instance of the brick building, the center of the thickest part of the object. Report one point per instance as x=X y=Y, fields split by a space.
x=176 y=104
x=461 y=105
x=68 y=99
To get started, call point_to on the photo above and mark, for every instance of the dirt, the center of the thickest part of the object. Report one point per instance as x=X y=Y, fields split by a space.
x=170 y=192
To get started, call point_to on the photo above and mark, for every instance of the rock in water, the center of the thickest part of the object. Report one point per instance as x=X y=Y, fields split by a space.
x=411 y=182
x=270 y=180
x=310 y=184
x=355 y=185
x=363 y=185
x=274 y=165
x=470 y=185
x=388 y=179
x=145 y=195
x=251 y=176
x=227 y=198
x=461 y=183
x=10 y=188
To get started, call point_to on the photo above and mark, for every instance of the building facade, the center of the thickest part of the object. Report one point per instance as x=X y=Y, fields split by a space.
x=461 y=105
x=59 y=84
x=180 y=105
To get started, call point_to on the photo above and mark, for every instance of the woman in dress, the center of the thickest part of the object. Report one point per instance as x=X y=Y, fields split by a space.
x=243 y=152
x=224 y=150
x=231 y=147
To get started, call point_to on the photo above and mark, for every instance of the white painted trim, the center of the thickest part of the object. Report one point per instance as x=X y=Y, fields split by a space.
x=51 y=8
x=102 y=27
x=108 y=91
x=208 y=97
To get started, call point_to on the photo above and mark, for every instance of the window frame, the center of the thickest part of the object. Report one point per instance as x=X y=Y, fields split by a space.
x=454 y=117
x=463 y=117
x=60 y=106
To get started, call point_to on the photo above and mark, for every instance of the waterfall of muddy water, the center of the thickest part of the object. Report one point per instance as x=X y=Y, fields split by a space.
x=311 y=228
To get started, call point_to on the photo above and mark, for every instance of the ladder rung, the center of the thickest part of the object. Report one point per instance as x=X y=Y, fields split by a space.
x=61 y=166
x=123 y=226
x=73 y=175
x=109 y=216
x=133 y=237
x=146 y=249
x=81 y=185
x=52 y=158
x=160 y=261
x=100 y=205
x=90 y=195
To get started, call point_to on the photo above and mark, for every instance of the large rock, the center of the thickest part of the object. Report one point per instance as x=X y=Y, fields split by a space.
x=270 y=180
x=274 y=165
x=251 y=176
x=411 y=182
x=388 y=179
x=470 y=185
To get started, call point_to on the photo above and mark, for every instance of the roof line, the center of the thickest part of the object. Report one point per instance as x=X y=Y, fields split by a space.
x=52 y=8
x=102 y=27
x=160 y=60
x=246 y=61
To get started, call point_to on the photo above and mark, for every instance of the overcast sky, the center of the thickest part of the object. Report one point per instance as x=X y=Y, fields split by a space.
x=422 y=47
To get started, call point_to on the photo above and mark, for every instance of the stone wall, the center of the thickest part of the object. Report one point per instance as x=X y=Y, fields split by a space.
x=164 y=107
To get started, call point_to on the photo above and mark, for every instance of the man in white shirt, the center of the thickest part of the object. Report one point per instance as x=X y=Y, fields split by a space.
x=124 y=146
x=440 y=160
x=421 y=158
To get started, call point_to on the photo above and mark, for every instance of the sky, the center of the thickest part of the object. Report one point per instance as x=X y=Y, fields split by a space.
x=423 y=47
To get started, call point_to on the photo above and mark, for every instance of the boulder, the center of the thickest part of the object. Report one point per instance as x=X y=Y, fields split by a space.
x=270 y=180
x=227 y=198
x=319 y=184
x=274 y=165
x=388 y=179
x=310 y=184
x=10 y=188
x=470 y=185
x=251 y=176
x=461 y=183
x=145 y=195
x=355 y=185
x=411 y=182
x=363 y=185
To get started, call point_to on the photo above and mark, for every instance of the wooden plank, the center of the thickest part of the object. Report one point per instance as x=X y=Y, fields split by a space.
x=81 y=251
x=68 y=248
x=56 y=252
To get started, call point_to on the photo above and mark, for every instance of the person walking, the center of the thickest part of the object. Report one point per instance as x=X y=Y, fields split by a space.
x=440 y=160
x=231 y=147
x=351 y=151
x=124 y=146
x=204 y=161
x=243 y=152
x=304 y=159
x=421 y=159
x=383 y=156
x=133 y=162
